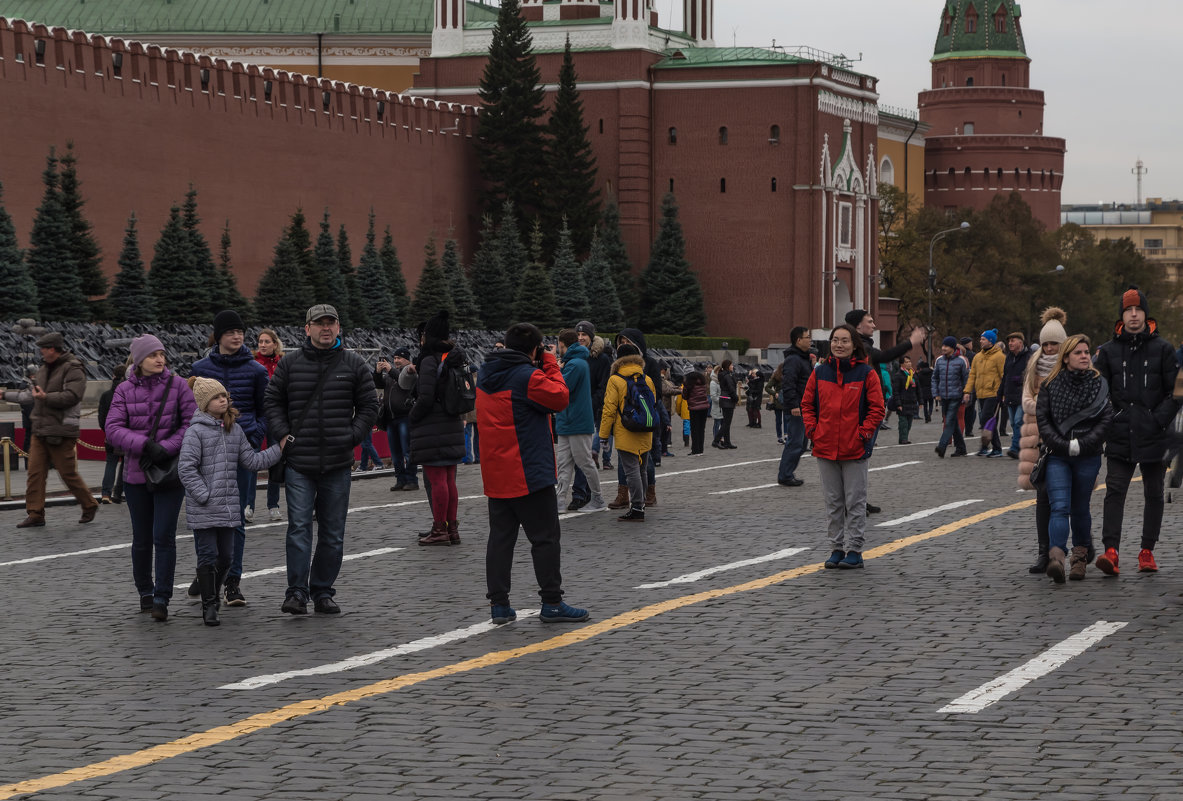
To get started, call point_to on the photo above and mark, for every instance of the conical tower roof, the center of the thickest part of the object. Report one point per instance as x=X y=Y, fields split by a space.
x=980 y=29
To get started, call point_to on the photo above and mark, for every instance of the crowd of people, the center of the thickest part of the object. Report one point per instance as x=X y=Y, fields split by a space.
x=553 y=416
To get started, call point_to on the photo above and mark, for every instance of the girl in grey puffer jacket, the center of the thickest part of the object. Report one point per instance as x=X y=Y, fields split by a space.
x=211 y=452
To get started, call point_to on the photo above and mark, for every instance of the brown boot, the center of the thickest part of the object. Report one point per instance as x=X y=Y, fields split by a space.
x=1055 y=565
x=437 y=536
x=1080 y=560
x=651 y=495
x=88 y=514
x=34 y=520
x=454 y=531
x=621 y=501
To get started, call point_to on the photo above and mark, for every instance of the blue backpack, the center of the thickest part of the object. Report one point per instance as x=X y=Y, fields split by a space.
x=639 y=410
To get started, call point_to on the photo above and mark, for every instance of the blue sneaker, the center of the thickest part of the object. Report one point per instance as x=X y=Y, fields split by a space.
x=503 y=613
x=561 y=613
x=853 y=560
x=834 y=559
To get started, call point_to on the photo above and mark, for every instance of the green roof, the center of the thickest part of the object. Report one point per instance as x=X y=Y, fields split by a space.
x=985 y=40
x=724 y=57
x=136 y=18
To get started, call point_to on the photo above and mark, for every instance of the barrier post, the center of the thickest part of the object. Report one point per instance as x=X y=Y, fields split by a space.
x=5 y=443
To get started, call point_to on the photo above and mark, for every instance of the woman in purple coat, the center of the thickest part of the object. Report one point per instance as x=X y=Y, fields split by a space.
x=129 y=423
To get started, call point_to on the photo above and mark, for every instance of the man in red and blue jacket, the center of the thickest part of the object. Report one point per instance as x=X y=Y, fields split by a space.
x=518 y=387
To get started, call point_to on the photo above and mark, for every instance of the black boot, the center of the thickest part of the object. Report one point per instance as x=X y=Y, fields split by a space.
x=207 y=577
x=1040 y=565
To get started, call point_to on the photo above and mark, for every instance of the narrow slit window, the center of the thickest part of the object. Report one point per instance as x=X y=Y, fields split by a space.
x=723 y=135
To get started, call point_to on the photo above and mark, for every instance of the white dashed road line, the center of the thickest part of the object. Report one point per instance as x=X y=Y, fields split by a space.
x=993 y=691
x=892 y=466
x=710 y=571
x=49 y=556
x=923 y=513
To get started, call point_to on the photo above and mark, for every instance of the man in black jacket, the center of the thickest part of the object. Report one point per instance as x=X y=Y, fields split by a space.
x=1013 y=373
x=795 y=372
x=322 y=401
x=1140 y=367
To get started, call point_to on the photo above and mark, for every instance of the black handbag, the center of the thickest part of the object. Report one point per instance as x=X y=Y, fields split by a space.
x=165 y=476
x=1039 y=469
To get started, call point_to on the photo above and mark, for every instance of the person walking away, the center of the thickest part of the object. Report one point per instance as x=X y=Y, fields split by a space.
x=1140 y=368
x=907 y=398
x=268 y=352
x=56 y=394
x=842 y=407
x=716 y=408
x=112 y=488
x=698 y=406
x=755 y=398
x=150 y=413
x=924 y=379
x=985 y=382
x=398 y=402
x=796 y=370
x=518 y=388
x=1013 y=374
x=321 y=400
x=574 y=425
x=1051 y=337
x=212 y=451
x=1074 y=415
x=772 y=387
x=634 y=336
x=631 y=446
x=437 y=436
x=949 y=375
x=599 y=365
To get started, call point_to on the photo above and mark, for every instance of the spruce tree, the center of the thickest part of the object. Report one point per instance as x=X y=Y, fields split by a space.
x=325 y=256
x=375 y=292
x=283 y=298
x=83 y=246
x=432 y=294
x=227 y=295
x=570 y=183
x=314 y=282
x=131 y=298
x=357 y=307
x=570 y=288
x=514 y=258
x=493 y=290
x=394 y=278
x=206 y=292
x=671 y=297
x=616 y=255
x=51 y=257
x=468 y=313
x=510 y=143
x=173 y=276
x=604 y=303
x=535 y=302
x=19 y=298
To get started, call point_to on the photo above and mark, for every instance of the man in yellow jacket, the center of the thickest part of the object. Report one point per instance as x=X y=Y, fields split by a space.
x=631 y=445
x=985 y=379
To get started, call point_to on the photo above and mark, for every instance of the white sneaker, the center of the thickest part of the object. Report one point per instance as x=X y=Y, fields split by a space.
x=249 y=513
x=275 y=515
x=596 y=504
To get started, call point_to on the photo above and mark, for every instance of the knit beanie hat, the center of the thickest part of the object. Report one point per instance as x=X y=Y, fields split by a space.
x=628 y=350
x=855 y=316
x=437 y=327
x=1134 y=297
x=991 y=336
x=144 y=346
x=227 y=320
x=1053 y=319
x=949 y=342
x=205 y=390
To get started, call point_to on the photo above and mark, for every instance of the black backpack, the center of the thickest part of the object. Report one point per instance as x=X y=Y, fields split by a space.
x=457 y=391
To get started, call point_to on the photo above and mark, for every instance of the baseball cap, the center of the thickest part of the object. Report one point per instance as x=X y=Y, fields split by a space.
x=321 y=310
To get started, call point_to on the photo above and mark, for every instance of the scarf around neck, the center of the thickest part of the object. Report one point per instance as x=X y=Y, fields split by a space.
x=1073 y=391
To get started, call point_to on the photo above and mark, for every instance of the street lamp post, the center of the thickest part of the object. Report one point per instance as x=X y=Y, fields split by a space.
x=932 y=277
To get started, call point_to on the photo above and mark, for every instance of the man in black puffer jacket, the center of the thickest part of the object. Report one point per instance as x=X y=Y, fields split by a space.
x=1140 y=368
x=795 y=372
x=322 y=401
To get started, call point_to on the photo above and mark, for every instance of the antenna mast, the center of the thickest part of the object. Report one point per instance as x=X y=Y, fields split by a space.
x=1139 y=170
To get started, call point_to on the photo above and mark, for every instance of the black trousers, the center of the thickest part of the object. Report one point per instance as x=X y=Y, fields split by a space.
x=538 y=514
x=1118 y=473
x=725 y=429
x=698 y=427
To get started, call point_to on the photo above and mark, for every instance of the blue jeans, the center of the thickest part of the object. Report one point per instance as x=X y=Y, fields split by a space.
x=472 y=444
x=247 y=483
x=1016 y=422
x=273 y=485
x=951 y=430
x=398 y=435
x=1070 y=482
x=153 y=538
x=794 y=446
x=369 y=454
x=113 y=475
x=311 y=575
x=213 y=546
x=779 y=414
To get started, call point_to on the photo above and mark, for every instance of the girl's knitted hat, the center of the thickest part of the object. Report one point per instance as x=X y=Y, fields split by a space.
x=1053 y=319
x=144 y=346
x=205 y=390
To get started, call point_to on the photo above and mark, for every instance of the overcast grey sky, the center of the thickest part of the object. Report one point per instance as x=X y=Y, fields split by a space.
x=1109 y=72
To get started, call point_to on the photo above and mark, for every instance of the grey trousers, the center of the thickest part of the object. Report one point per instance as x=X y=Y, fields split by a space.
x=631 y=463
x=576 y=451
x=844 y=487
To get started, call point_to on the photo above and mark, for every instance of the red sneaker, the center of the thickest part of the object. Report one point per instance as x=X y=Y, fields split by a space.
x=1146 y=562
x=1107 y=562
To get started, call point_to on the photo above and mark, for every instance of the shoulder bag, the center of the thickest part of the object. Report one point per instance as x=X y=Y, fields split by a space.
x=165 y=476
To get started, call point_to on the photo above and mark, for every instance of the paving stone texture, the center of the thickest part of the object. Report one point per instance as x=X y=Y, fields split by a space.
x=824 y=686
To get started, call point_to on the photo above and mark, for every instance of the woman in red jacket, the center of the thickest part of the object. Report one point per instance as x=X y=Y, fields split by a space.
x=842 y=408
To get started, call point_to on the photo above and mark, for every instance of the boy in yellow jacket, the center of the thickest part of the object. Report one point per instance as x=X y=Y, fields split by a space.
x=985 y=379
x=631 y=446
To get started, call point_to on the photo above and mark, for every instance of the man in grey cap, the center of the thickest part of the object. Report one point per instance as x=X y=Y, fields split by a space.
x=322 y=401
x=56 y=391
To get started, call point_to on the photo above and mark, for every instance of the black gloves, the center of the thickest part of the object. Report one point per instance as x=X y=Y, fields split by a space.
x=156 y=452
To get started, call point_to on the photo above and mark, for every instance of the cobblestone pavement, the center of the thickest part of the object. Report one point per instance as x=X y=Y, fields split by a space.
x=811 y=684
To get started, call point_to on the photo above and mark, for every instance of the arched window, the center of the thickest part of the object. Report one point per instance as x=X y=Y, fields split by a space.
x=773 y=184
x=1000 y=19
x=1004 y=79
x=601 y=126
x=948 y=22
x=774 y=134
x=722 y=186
x=671 y=186
x=969 y=81
x=886 y=171
x=723 y=135
x=673 y=136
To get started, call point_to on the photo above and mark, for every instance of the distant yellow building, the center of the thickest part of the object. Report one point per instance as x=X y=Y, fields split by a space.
x=901 y=151
x=1155 y=228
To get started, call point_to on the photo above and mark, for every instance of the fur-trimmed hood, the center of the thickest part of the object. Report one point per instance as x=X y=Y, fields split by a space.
x=638 y=361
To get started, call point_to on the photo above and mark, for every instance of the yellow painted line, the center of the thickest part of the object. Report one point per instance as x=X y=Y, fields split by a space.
x=265 y=720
